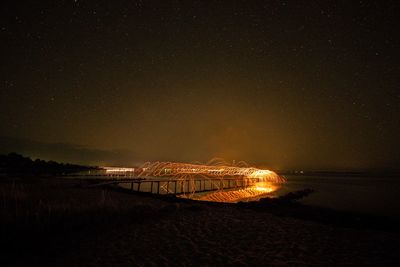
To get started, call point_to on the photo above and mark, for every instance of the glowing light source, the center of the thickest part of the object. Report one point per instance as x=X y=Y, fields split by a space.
x=118 y=169
x=211 y=169
x=248 y=182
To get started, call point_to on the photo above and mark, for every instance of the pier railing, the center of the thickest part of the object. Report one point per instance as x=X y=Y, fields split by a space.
x=170 y=185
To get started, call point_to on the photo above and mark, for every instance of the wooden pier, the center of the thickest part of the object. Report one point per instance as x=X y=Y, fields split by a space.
x=175 y=186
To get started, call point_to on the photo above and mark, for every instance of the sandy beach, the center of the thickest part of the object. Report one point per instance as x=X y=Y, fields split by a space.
x=71 y=225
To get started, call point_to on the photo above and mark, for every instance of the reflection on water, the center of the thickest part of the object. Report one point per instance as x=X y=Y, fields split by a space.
x=254 y=192
x=374 y=195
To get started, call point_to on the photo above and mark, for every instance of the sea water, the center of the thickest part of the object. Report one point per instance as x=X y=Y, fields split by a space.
x=377 y=195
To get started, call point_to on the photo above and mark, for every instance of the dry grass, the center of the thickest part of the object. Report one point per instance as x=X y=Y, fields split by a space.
x=42 y=203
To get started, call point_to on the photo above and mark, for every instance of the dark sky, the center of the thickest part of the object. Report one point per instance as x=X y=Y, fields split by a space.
x=283 y=84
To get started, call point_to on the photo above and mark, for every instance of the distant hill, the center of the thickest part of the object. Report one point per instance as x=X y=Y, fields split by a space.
x=14 y=163
x=67 y=152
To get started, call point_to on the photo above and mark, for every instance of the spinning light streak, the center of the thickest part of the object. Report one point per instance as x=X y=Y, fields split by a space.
x=230 y=182
x=213 y=169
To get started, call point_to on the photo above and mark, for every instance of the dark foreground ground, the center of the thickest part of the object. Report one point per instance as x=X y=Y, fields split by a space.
x=57 y=222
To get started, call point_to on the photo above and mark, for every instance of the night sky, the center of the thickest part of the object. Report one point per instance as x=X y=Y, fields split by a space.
x=280 y=84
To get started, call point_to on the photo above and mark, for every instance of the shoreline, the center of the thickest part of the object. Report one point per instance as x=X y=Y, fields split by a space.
x=104 y=226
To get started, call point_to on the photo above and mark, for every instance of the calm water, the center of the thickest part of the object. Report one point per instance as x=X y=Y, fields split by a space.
x=374 y=195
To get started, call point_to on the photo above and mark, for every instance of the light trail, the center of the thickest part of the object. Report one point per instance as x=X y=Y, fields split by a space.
x=215 y=175
x=215 y=169
x=218 y=169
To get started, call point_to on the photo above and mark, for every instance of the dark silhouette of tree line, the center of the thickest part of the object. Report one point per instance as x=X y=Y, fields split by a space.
x=14 y=163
